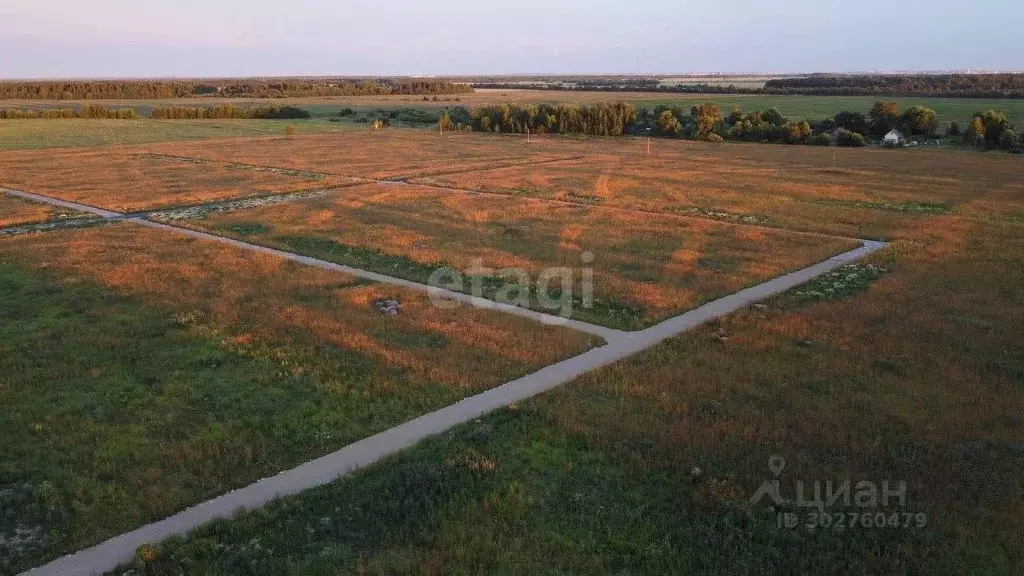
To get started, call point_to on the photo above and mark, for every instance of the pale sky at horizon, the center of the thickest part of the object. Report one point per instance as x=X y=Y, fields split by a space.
x=193 y=38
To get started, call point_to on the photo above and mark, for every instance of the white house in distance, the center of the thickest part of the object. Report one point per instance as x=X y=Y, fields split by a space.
x=893 y=138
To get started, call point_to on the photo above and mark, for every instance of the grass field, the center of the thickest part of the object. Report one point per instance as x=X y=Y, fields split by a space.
x=16 y=211
x=143 y=371
x=645 y=269
x=647 y=466
x=386 y=154
x=858 y=193
x=185 y=368
x=43 y=134
x=125 y=180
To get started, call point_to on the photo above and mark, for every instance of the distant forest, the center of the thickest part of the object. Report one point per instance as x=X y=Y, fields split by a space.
x=945 y=85
x=271 y=88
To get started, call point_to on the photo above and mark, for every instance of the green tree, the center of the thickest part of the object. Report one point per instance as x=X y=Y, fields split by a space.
x=773 y=116
x=884 y=116
x=708 y=117
x=852 y=121
x=920 y=120
x=975 y=133
x=667 y=124
x=994 y=122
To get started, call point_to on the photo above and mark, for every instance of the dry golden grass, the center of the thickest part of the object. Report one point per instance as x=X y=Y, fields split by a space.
x=258 y=298
x=16 y=211
x=381 y=154
x=122 y=179
x=658 y=264
x=864 y=193
x=921 y=379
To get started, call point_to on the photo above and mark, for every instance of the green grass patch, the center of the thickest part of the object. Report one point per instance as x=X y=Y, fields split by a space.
x=842 y=283
x=118 y=414
x=37 y=134
x=514 y=493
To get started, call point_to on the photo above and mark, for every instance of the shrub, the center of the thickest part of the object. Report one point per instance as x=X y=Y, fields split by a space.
x=820 y=140
x=346 y=112
x=277 y=113
x=714 y=138
x=852 y=121
x=953 y=130
x=1008 y=139
x=290 y=130
x=850 y=139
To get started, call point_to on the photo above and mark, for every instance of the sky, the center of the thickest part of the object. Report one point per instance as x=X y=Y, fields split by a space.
x=209 y=38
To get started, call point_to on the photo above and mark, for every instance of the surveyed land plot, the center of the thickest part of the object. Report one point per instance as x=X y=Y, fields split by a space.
x=384 y=155
x=902 y=370
x=855 y=193
x=638 y=268
x=16 y=211
x=128 y=180
x=145 y=371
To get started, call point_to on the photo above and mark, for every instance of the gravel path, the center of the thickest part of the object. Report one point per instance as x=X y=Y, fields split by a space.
x=116 y=551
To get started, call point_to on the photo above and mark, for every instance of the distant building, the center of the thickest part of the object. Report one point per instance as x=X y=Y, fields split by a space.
x=893 y=138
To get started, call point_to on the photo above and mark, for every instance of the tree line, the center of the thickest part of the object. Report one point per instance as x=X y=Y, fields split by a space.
x=988 y=129
x=952 y=85
x=602 y=119
x=282 y=88
x=88 y=111
x=1006 y=85
x=228 y=112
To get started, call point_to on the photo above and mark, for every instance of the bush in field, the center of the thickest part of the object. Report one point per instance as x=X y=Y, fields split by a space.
x=820 y=140
x=445 y=124
x=773 y=116
x=850 y=139
x=667 y=124
x=714 y=138
x=953 y=130
x=975 y=133
x=277 y=113
x=852 y=121
x=289 y=130
x=993 y=123
x=796 y=132
x=1008 y=140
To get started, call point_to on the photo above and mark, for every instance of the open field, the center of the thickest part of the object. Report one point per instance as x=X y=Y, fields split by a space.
x=125 y=180
x=645 y=269
x=647 y=466
x=796 y=107
x=386 y=154
x=16 y=212
x=187 y=368
x=858 y=193
x=37 y=134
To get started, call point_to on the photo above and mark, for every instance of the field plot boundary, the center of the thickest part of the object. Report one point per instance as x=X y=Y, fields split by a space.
x=609 y=334
x=119 y=550
x=512 y=163
x=422 y=180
